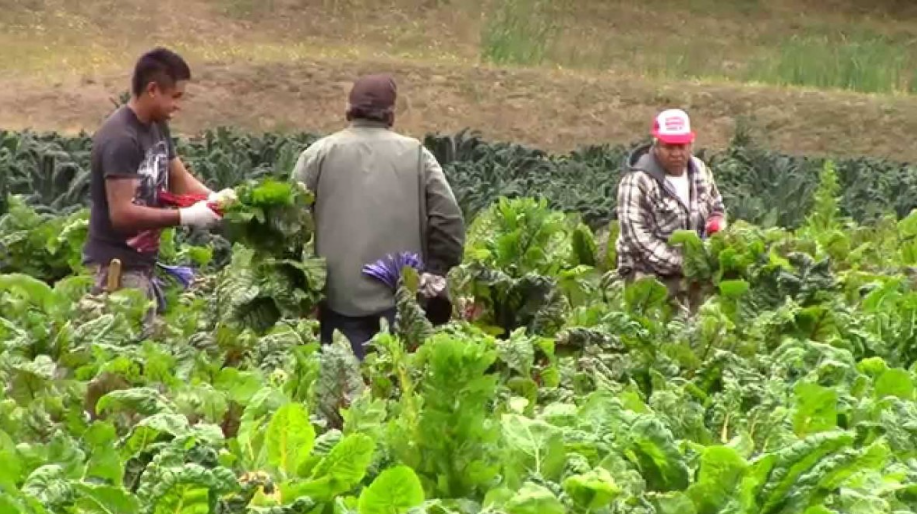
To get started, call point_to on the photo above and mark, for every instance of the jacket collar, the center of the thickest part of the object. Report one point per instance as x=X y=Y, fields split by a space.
x=361 y=123
x=650 y=165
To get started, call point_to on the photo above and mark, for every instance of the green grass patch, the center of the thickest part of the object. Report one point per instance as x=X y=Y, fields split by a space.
x=246 y=9
x=727 y=7
x=688 y=62
x=519 y=31
x=865 y=64
x=846 y=53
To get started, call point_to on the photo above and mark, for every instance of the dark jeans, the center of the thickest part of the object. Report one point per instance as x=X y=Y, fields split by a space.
x=685 y=297
x=143 y=279
x=358 y=330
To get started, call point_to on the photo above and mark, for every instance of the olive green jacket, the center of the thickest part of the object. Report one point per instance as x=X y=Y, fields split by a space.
x=377 y=193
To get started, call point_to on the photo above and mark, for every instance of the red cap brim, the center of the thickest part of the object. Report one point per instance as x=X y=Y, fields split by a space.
x=675 y=139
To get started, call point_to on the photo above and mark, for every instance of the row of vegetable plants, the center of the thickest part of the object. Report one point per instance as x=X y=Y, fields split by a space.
x=760 y=186
x=555 y=387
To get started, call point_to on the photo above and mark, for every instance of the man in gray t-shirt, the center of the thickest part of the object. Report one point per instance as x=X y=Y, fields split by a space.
x=133 y=159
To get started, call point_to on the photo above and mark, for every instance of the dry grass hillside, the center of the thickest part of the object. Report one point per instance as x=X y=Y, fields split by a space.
x=833 y=76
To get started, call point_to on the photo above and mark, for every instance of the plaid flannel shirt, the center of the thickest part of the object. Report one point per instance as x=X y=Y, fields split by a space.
x=649 y=212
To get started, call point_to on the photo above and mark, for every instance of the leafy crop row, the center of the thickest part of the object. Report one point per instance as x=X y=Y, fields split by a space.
x=554 y=389
x=761 y=187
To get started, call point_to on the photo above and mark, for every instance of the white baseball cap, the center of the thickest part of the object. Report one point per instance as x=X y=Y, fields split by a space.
x=673 y=126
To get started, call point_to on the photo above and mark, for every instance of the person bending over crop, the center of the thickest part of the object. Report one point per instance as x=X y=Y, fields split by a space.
x=377 y=194
x=133 y=164
x=665 y=189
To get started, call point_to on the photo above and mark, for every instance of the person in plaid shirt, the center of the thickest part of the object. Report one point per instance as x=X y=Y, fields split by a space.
x=666 y=189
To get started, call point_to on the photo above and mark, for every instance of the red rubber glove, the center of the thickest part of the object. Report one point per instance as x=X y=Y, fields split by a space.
x=188 y=200
x=715 y=224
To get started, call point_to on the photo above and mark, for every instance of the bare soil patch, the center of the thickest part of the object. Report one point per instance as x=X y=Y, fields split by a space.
x=553 y=110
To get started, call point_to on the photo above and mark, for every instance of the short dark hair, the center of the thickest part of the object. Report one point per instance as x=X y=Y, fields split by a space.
x=370 y=114
x=159 y=65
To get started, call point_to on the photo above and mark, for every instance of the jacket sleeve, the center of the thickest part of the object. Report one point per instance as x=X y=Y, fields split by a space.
x=715 y=205
x=716 y=200
x=445 y=223
x=308 y=165
x=636 y=220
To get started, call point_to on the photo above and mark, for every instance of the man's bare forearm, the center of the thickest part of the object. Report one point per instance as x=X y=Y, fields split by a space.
x=132 y=218
x=187 y=184
x=183 y=182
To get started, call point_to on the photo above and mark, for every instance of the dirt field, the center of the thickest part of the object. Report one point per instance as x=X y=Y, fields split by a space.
x=254 y=82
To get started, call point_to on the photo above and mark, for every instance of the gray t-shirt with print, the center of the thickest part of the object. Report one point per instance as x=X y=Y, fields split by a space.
x=124 y=147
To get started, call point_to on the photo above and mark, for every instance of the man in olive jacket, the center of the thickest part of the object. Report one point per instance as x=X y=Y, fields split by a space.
x=376 y=193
